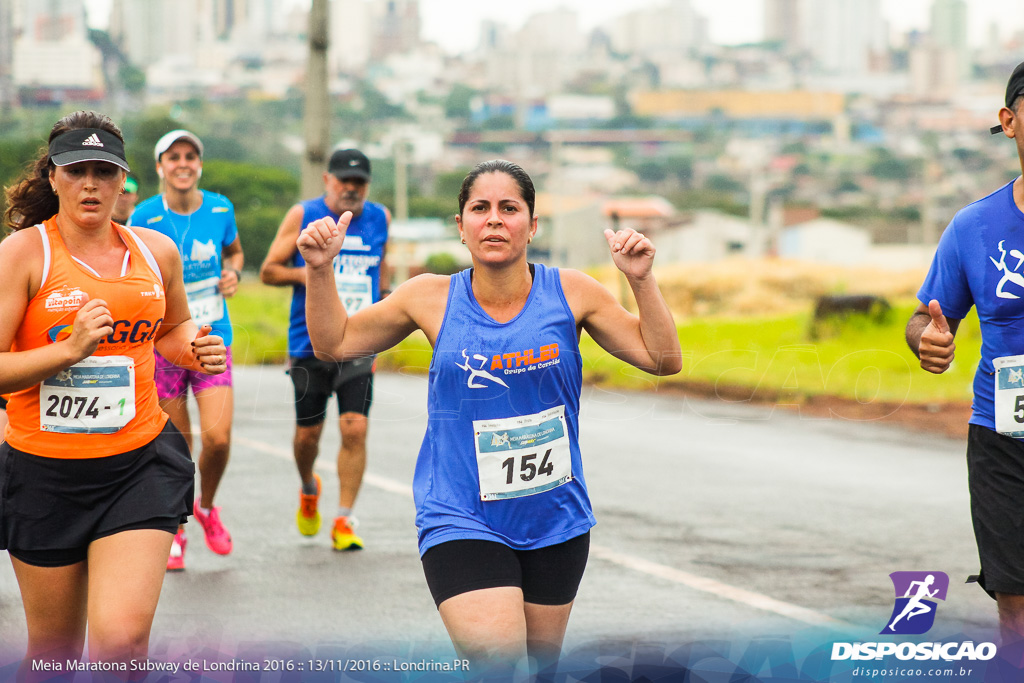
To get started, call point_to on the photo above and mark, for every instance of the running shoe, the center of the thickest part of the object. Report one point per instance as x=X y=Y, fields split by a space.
x=308 y=516
x=217 y=537
x=343 y=535
x=176 y=560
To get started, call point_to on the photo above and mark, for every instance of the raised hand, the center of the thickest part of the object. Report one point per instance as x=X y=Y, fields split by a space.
x=937 y=347
x=92 y=323
x=632 y=253
x=210 y=351
x=320 y=241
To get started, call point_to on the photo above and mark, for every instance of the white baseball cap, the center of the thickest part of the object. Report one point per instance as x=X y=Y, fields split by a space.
x=164 y=143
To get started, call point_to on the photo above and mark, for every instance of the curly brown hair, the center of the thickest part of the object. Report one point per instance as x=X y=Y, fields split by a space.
x=30 y=200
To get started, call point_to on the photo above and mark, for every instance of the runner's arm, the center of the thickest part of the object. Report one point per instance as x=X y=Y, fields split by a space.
x=277 y=269
x=232 y=260
x=336 y=336
x=21 y=262
x=648 y=340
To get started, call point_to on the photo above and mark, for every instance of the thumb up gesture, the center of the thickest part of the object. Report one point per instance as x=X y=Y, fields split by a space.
x=936 y=349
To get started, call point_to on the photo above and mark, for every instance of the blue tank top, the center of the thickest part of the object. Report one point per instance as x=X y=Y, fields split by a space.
x=356 y=268
x=500 y=460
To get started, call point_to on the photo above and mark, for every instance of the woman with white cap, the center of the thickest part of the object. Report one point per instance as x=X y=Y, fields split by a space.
x=93 y=480
x=202 y=225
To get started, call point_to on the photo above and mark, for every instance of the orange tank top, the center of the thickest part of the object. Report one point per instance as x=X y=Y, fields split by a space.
x=106 y=404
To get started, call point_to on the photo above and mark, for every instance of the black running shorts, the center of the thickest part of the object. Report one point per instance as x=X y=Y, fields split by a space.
x=315 y=381
x=51 y=509
x=995 y=473
x=548 y=576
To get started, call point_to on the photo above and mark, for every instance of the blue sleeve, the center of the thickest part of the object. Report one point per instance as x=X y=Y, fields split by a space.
x=946 y=281
x=231 y=229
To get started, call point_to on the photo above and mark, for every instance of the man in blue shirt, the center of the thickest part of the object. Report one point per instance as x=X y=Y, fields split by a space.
x=980 y=262
x=202 y=224
x=360 y=274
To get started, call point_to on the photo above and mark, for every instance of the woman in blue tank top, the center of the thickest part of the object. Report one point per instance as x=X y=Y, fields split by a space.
x=501 y=503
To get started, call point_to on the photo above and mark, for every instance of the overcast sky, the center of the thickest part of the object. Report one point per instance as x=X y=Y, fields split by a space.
x=454 y=24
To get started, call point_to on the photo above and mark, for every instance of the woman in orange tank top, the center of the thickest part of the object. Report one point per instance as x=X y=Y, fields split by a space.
x=84 y=304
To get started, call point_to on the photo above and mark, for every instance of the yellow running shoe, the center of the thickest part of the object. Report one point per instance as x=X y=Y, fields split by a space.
x=308 y=516
x=343 y=535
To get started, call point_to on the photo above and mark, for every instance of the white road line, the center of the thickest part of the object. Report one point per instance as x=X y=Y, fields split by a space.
x=637 y=564
x=722 y=590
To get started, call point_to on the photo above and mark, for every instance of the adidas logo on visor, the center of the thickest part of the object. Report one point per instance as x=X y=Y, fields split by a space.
x=92 y=141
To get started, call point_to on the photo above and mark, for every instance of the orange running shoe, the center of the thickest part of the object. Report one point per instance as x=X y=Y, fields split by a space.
x=308 y=516
x=343 y=535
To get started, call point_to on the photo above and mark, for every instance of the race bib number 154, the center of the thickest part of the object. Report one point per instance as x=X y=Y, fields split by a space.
x=524 y=455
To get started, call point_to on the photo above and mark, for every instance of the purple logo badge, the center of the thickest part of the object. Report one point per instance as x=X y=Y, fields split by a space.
x=916 y=595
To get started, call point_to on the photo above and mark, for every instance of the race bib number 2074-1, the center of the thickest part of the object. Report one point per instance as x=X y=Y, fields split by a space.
x=93 y=396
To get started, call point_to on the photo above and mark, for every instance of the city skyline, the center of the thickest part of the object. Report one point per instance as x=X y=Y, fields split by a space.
x=455 y=24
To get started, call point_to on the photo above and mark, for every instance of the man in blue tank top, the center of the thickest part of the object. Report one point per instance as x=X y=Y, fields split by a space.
x=980 y=262
x=360 y=273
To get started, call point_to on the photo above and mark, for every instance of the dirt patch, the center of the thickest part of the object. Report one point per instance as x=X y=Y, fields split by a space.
x=948 y=419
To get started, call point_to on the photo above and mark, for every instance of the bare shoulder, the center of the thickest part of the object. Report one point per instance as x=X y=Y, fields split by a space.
x=292 y=223
x=423 y=300
x=21 y=259
x=424 y=290
x=573 y=279
x=582 y=292
x=22 y=244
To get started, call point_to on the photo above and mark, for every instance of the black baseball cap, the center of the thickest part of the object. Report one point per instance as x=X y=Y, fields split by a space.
x=1014 y=88
x=87 y=144
x=349 y=163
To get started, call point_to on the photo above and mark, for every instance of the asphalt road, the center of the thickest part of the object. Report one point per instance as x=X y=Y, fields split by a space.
x=715 y=520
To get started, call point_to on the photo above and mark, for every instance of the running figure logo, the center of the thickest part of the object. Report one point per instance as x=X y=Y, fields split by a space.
x=475 y=373
x=916 y=595
x=1009 y=275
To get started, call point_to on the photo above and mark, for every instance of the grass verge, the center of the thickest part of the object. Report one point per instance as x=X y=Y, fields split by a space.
x=772 y=358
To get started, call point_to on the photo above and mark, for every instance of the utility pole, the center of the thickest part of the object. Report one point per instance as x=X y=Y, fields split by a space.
x=401 y=179
x=317 y=119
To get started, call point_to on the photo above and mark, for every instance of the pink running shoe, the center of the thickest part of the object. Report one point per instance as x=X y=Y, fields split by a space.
x=217 y=537
x=176 y=560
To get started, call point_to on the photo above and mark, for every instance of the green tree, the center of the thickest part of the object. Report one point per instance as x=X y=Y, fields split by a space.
x=441 y=263
x=261 y=195
x=457 y=103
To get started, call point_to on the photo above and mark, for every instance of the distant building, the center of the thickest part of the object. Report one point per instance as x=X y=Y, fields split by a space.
x=706 y=237
x=949 y=31
x=823 y=240
x=740 y=104
x=842 y=35
x=396 y=27
x=673 y=28
x=570 y=231
x=7 y=91
x=351 y=19
x=52 y=57
x=782 y=23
